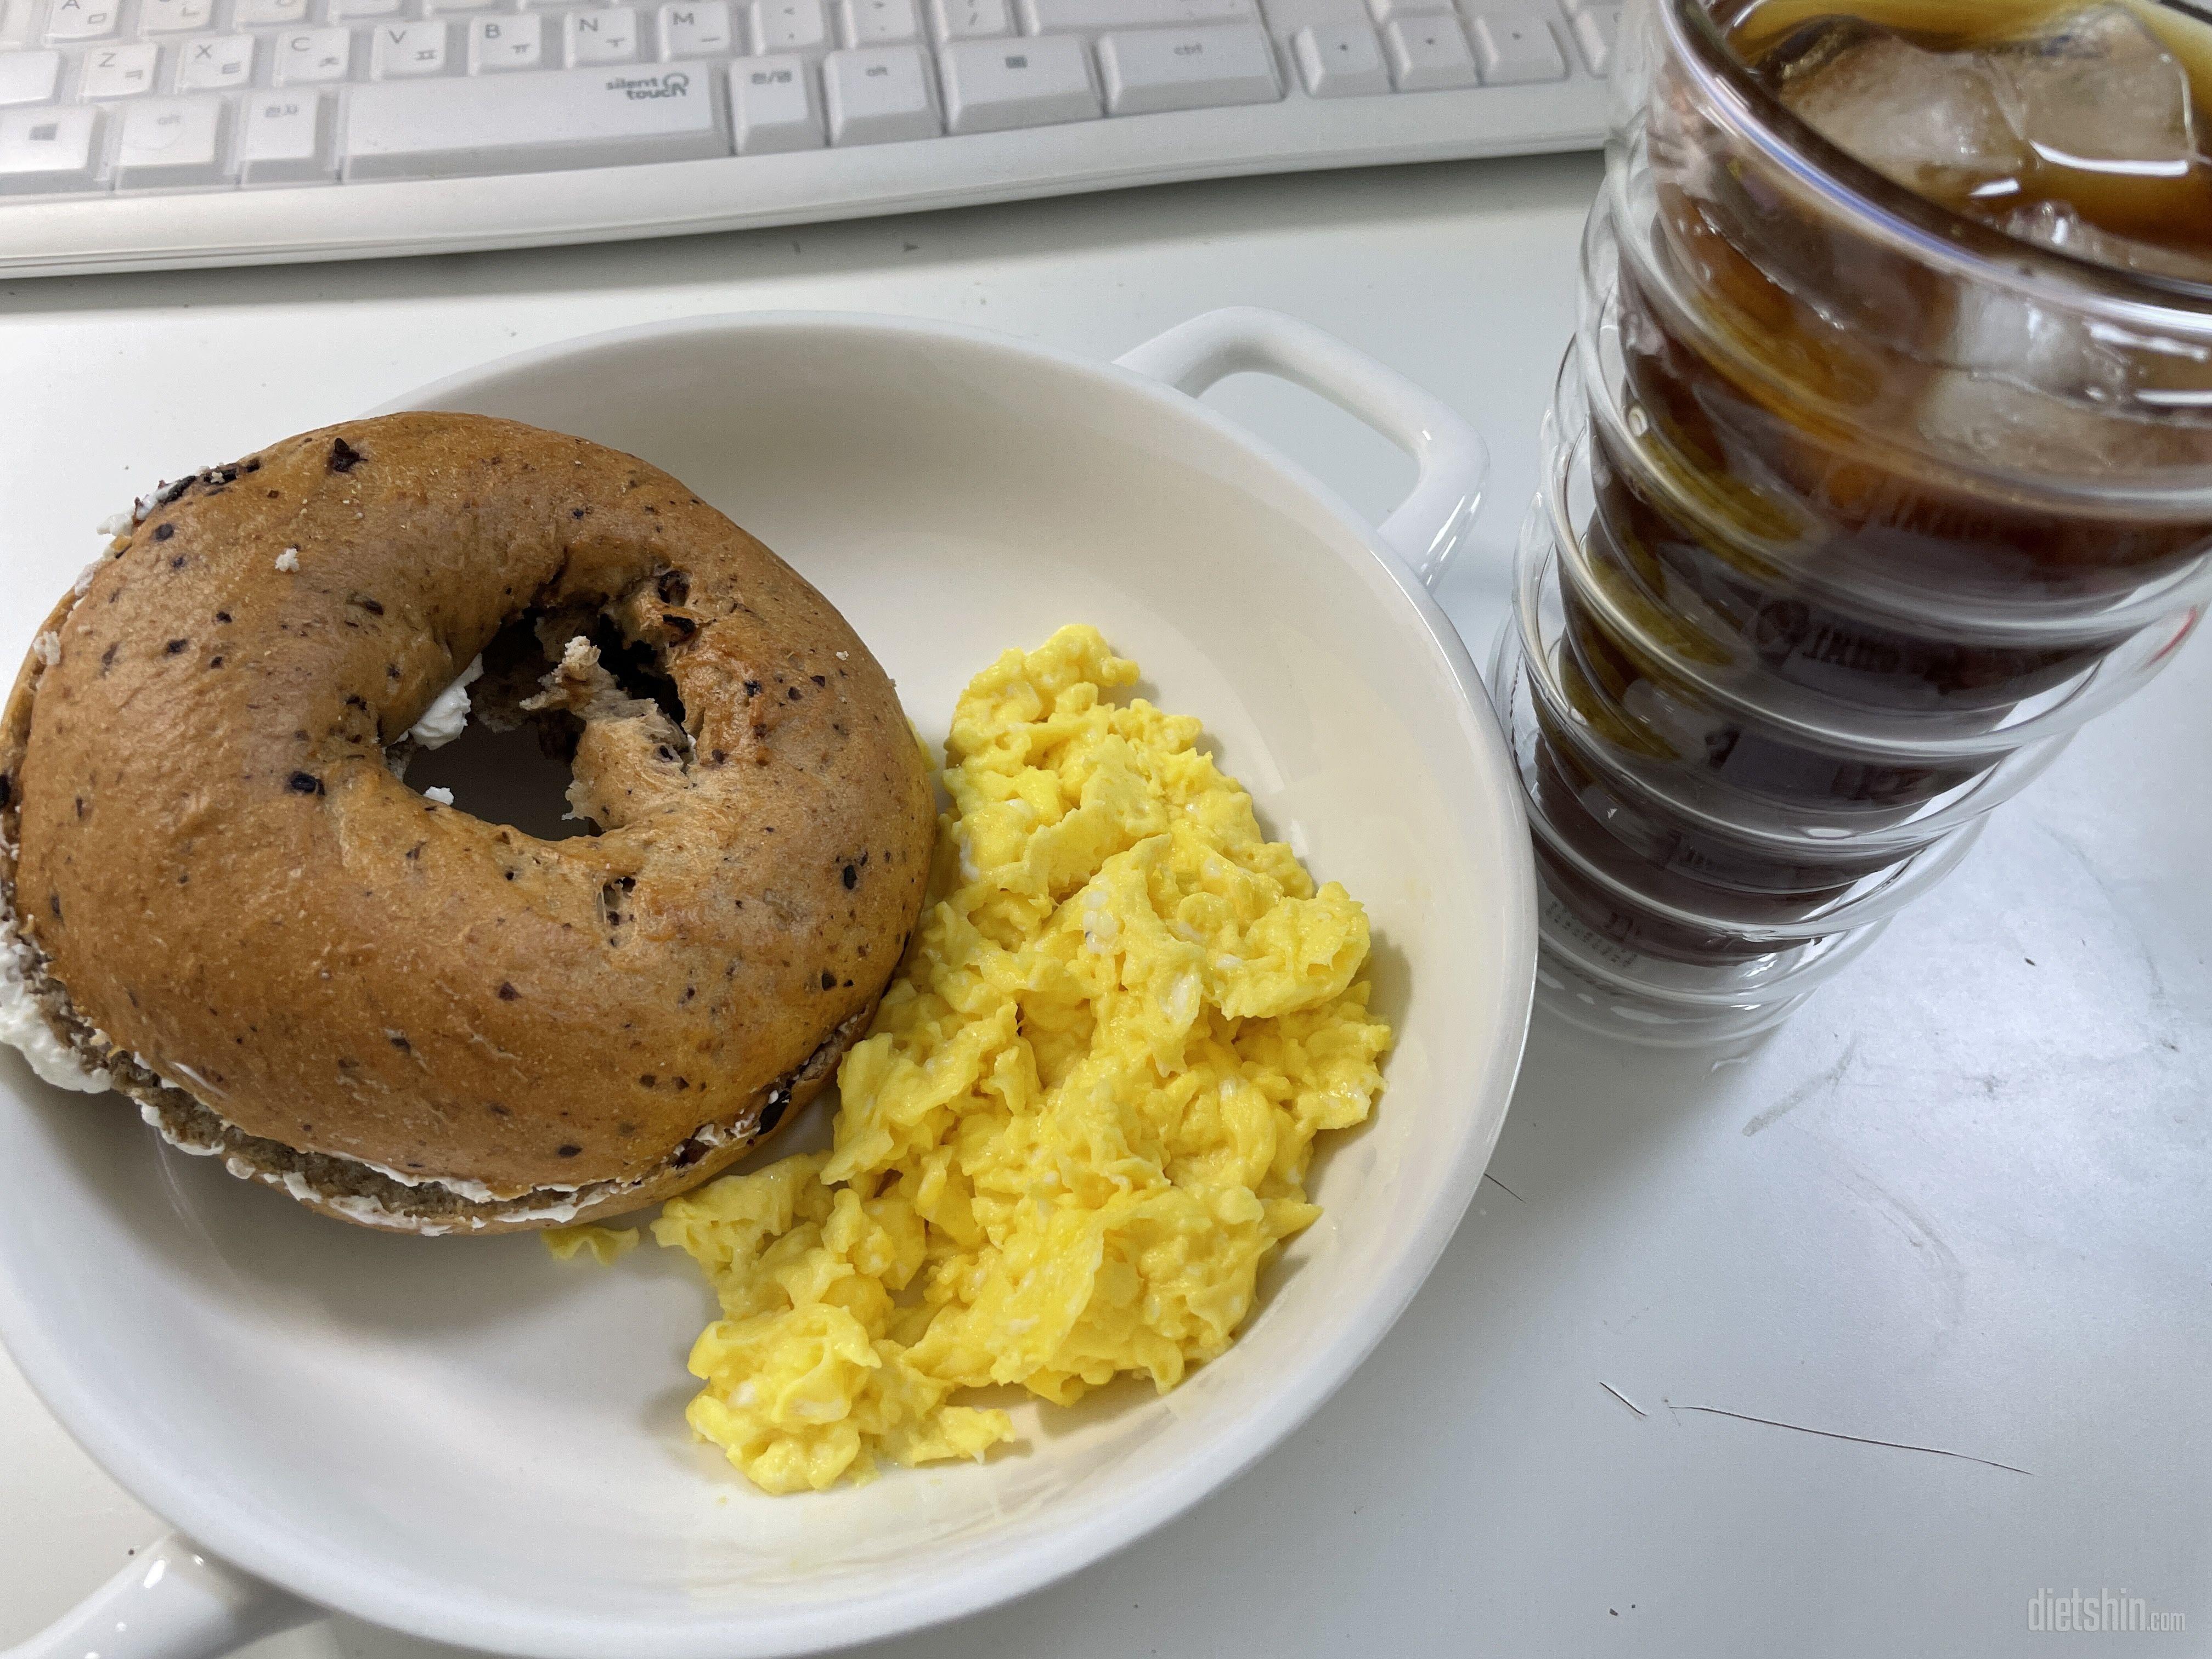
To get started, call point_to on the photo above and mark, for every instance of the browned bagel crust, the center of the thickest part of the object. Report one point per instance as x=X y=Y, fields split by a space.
x=236 y=905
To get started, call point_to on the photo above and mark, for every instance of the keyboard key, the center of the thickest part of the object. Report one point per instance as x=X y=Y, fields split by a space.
x=1286 y=17
x=1595 y=26
x=972 y=20
x=1387 y=11
x=307 y=57
x=1149 y=69
x=782 y=26
x=699 y=29
x=173 y=16
x=436 y=7
x=879 y=96
x=1428 y=53
x=250 y=14
x=1514 y=47
x=499 y=43
x=81 y=20
x=402 y=51
x=342 y=10
x=119 y=71
x=880 y=22
x=991 y=85
x=555 y=118
x=219 y=64
x=287 y=139
x=1050 y=17
x=1341 y=60
x=28 y=77
x=170 y=142
x=773 y=107
x=607 y=34
x=49 y=149
x=16 y=23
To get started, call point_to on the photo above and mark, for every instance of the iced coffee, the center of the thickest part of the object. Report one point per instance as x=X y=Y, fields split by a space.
x=1890 y=444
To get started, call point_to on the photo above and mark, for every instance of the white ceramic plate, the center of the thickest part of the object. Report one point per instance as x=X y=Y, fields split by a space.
x=468 y=1441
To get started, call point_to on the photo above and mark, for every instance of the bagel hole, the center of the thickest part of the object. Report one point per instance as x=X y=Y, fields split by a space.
x=508 y=767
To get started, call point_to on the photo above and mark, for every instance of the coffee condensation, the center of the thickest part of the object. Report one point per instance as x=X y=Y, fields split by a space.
x=1862 y=481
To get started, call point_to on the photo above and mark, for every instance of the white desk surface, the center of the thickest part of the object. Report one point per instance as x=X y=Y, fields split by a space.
x=1963 y=1202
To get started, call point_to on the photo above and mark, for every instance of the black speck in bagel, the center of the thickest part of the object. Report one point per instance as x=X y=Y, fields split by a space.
x=819 y=679
x=679 y=625
x=506 y=992
x=222 y=615
x=829 y=980
x=344 y=456
x=107 y=657
x=178 y=562
x=851 y=876
x=569 y=1151
x=175 y=646
x=54 y=904
x=646 y=1079
x=753 y=688
x=163 y=532
x=575 y=511
x=496 y=1109
x=689 y=991
x=374 y=607
x=720 y=755
x=793 y=694
x=398 y=1040
x=304 y=783
x=215 y=662
x=673 y=586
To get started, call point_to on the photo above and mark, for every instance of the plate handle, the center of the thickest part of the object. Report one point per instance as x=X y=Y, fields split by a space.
x=173 y=1601
x=1427 y=528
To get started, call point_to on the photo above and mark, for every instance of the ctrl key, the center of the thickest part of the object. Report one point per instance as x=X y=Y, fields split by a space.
x=49 y=150
x=286 y=139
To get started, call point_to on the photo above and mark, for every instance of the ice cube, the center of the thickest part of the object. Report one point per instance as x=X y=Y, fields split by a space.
x=2095 y=90
x=2055 y=225
x=1999 y=332
x=1934 y=122
x=1991 y=421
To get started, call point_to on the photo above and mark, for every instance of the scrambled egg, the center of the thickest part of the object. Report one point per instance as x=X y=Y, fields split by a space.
x=1084 y=1115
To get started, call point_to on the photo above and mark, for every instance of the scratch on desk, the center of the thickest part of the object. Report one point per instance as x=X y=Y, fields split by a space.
x=1623 y=1398
x=1829 y=1080
x=1855 y=1439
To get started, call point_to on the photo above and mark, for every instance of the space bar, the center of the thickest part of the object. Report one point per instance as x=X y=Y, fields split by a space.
x=526 y=123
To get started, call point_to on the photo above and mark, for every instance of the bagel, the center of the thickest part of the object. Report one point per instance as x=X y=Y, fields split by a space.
x=222 y=898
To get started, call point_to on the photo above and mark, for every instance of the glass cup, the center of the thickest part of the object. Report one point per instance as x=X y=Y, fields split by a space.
x=1854 y=510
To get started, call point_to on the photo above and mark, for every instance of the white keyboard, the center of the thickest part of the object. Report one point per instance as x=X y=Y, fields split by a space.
x=138 y=133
